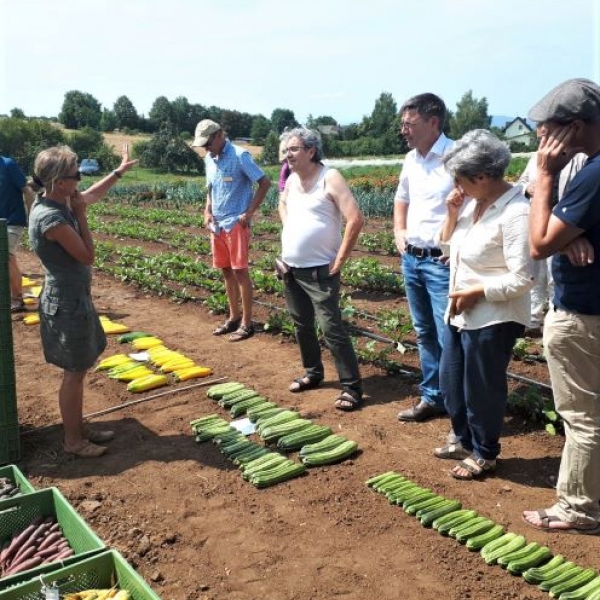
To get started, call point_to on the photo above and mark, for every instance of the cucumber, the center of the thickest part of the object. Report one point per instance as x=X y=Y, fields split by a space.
x=309 y=435
x=273 y=433
x=418 y=499
x=330 y=442
x=429 y=517
x=477 y=542
x=132 y=335
x=241 y=407
x=573 y=583
x=396 y=485
x=379 y=486
x=456 y=514
x=564 y=576
x=260 y=408
x=537 y=574
x=502 y=545
x=217 y=391
x=282 y=417
x=228 y=400
x=416 y=507
x=467 y=526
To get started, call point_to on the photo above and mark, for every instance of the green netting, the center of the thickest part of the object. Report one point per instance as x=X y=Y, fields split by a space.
x=99 y=572
x=10 y=447
x=17 y=513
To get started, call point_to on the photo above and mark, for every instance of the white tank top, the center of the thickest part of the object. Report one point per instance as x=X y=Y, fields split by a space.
x=312 y=233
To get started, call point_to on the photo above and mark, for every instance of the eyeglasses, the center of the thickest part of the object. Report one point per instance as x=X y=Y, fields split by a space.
x=408 y=124
x=76 y=177
x=295 y=148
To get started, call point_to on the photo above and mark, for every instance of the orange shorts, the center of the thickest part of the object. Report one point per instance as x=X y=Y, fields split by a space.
x=231 y=249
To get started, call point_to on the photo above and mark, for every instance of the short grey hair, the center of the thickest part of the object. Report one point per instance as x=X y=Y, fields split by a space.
x=309 y=139
x=478 y=152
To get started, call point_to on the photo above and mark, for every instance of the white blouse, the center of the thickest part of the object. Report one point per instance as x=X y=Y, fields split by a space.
x=493 y=252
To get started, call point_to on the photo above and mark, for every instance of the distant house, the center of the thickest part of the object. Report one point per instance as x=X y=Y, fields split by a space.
x=518 y=130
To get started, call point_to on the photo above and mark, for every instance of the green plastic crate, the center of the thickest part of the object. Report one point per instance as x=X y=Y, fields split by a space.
x=98 y=572
x=17 y=513
x=14 y=475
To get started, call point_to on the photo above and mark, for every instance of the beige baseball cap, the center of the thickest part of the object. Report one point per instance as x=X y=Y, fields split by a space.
x=204 y=130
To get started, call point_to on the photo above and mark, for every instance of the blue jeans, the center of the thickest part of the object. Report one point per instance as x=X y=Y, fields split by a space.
x=473 y=379
x=427 y=282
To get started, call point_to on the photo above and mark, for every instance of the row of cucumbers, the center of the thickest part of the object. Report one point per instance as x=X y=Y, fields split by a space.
x=259 y=465
x=554 y=574
x=285 y=428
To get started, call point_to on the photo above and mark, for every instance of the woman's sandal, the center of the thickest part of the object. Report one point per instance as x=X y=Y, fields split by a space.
x=86 y=450
x=451 y=451
x=228 y=327
x=348 y=401
x=243 y=332
x=476 y=468
x=306 y=382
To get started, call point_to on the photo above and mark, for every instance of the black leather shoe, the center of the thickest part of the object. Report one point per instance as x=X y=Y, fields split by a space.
x=421 y=412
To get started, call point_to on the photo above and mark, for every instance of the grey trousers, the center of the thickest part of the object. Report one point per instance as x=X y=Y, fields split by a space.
x=311 y=293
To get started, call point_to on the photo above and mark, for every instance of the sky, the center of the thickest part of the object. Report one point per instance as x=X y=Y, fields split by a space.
x=314 y=57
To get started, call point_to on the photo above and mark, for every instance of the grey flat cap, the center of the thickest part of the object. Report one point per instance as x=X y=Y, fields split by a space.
x=572 y=99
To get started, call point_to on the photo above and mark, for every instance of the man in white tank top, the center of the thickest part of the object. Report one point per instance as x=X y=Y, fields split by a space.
x=312 y=206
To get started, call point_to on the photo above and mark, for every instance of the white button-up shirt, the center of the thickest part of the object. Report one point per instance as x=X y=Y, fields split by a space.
x=493 y=252
x=424 y=184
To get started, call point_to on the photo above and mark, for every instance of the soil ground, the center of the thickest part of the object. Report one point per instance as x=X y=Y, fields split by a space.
x=183 y=516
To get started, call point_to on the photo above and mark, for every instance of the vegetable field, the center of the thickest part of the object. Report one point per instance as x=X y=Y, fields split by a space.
x=181 y=512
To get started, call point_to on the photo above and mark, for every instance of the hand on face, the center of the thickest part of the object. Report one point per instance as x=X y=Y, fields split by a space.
x=556 y=147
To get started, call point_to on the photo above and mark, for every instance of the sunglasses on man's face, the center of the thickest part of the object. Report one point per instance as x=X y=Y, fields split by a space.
x=76 y=177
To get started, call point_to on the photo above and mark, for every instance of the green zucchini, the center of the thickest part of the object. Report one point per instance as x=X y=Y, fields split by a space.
x=477 y=542
x=278 y=474
x=126 y=338
x=389 y=484
x=282 y=417
x=509 y=542
x=241 y=407
x=573 y=583
x=215 y=392
x=266 y=413
x=271 y=462
x=228 y=400
x=468 y=532
x=427 y=518
x=541 y=555
x=273 y=433
x=461 y=513
x=418 y=498
x=518 y=554
x=309 y=435
x=328 y=457
x=537 y=574
x=416 y=507
x=564 y=576
x=376 y=478
x=583 y=593
x=467 y=526
x=330 y=442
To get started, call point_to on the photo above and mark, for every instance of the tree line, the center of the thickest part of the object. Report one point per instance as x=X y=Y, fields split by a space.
x=171 y=125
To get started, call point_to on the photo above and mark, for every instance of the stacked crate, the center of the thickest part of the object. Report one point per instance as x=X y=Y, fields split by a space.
x=10 y=447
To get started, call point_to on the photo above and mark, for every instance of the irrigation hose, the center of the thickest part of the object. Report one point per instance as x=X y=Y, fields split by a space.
x=112 y=409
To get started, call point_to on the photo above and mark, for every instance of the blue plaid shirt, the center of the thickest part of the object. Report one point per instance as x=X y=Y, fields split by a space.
x=230 y=178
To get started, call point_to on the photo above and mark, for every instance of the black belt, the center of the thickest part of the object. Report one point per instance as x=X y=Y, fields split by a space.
x=423 y=252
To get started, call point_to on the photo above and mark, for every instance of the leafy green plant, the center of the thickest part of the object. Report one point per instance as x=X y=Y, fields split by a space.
x=535 y=408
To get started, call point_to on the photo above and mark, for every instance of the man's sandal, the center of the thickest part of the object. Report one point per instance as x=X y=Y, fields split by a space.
x=243 y=332
x=348 y=401
x=451 y=451
x=306 y=382
x=476 y=468
x=228 y=327
x=546 y=518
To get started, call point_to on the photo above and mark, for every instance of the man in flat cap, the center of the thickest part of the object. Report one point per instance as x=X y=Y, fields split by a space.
x=568 y=119
x=231 y=201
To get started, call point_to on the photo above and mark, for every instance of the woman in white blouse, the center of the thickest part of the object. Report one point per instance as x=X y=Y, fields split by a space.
x=490 y=278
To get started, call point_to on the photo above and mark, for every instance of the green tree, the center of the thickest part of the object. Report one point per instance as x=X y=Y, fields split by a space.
x=184 y=114
x=161 y=114
x=283 y=118
x=270 y=154
x=314 y=122
x=232 y=121
x=260 y=129
x=383 y=118
x=85 y=142
x=22 y=139
x=80 y=110
x=17 y=113
x=125 y=113
x=108 y=120
x=167 y=151
x=470 y=114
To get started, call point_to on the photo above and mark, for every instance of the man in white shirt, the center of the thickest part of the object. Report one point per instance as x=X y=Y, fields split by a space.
x=419 y=211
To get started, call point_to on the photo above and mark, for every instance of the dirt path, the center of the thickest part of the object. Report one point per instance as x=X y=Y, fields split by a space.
x=183 y=516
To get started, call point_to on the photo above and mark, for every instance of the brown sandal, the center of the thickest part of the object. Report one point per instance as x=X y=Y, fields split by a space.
x=228 y=327
x=243 y=332
x=86 y=450
x=354 y=401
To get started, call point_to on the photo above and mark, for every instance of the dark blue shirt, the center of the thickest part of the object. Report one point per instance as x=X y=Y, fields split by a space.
x=577 y=289
x=12 y=182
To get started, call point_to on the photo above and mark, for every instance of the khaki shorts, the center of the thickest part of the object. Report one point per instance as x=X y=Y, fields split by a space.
x=15 y=236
